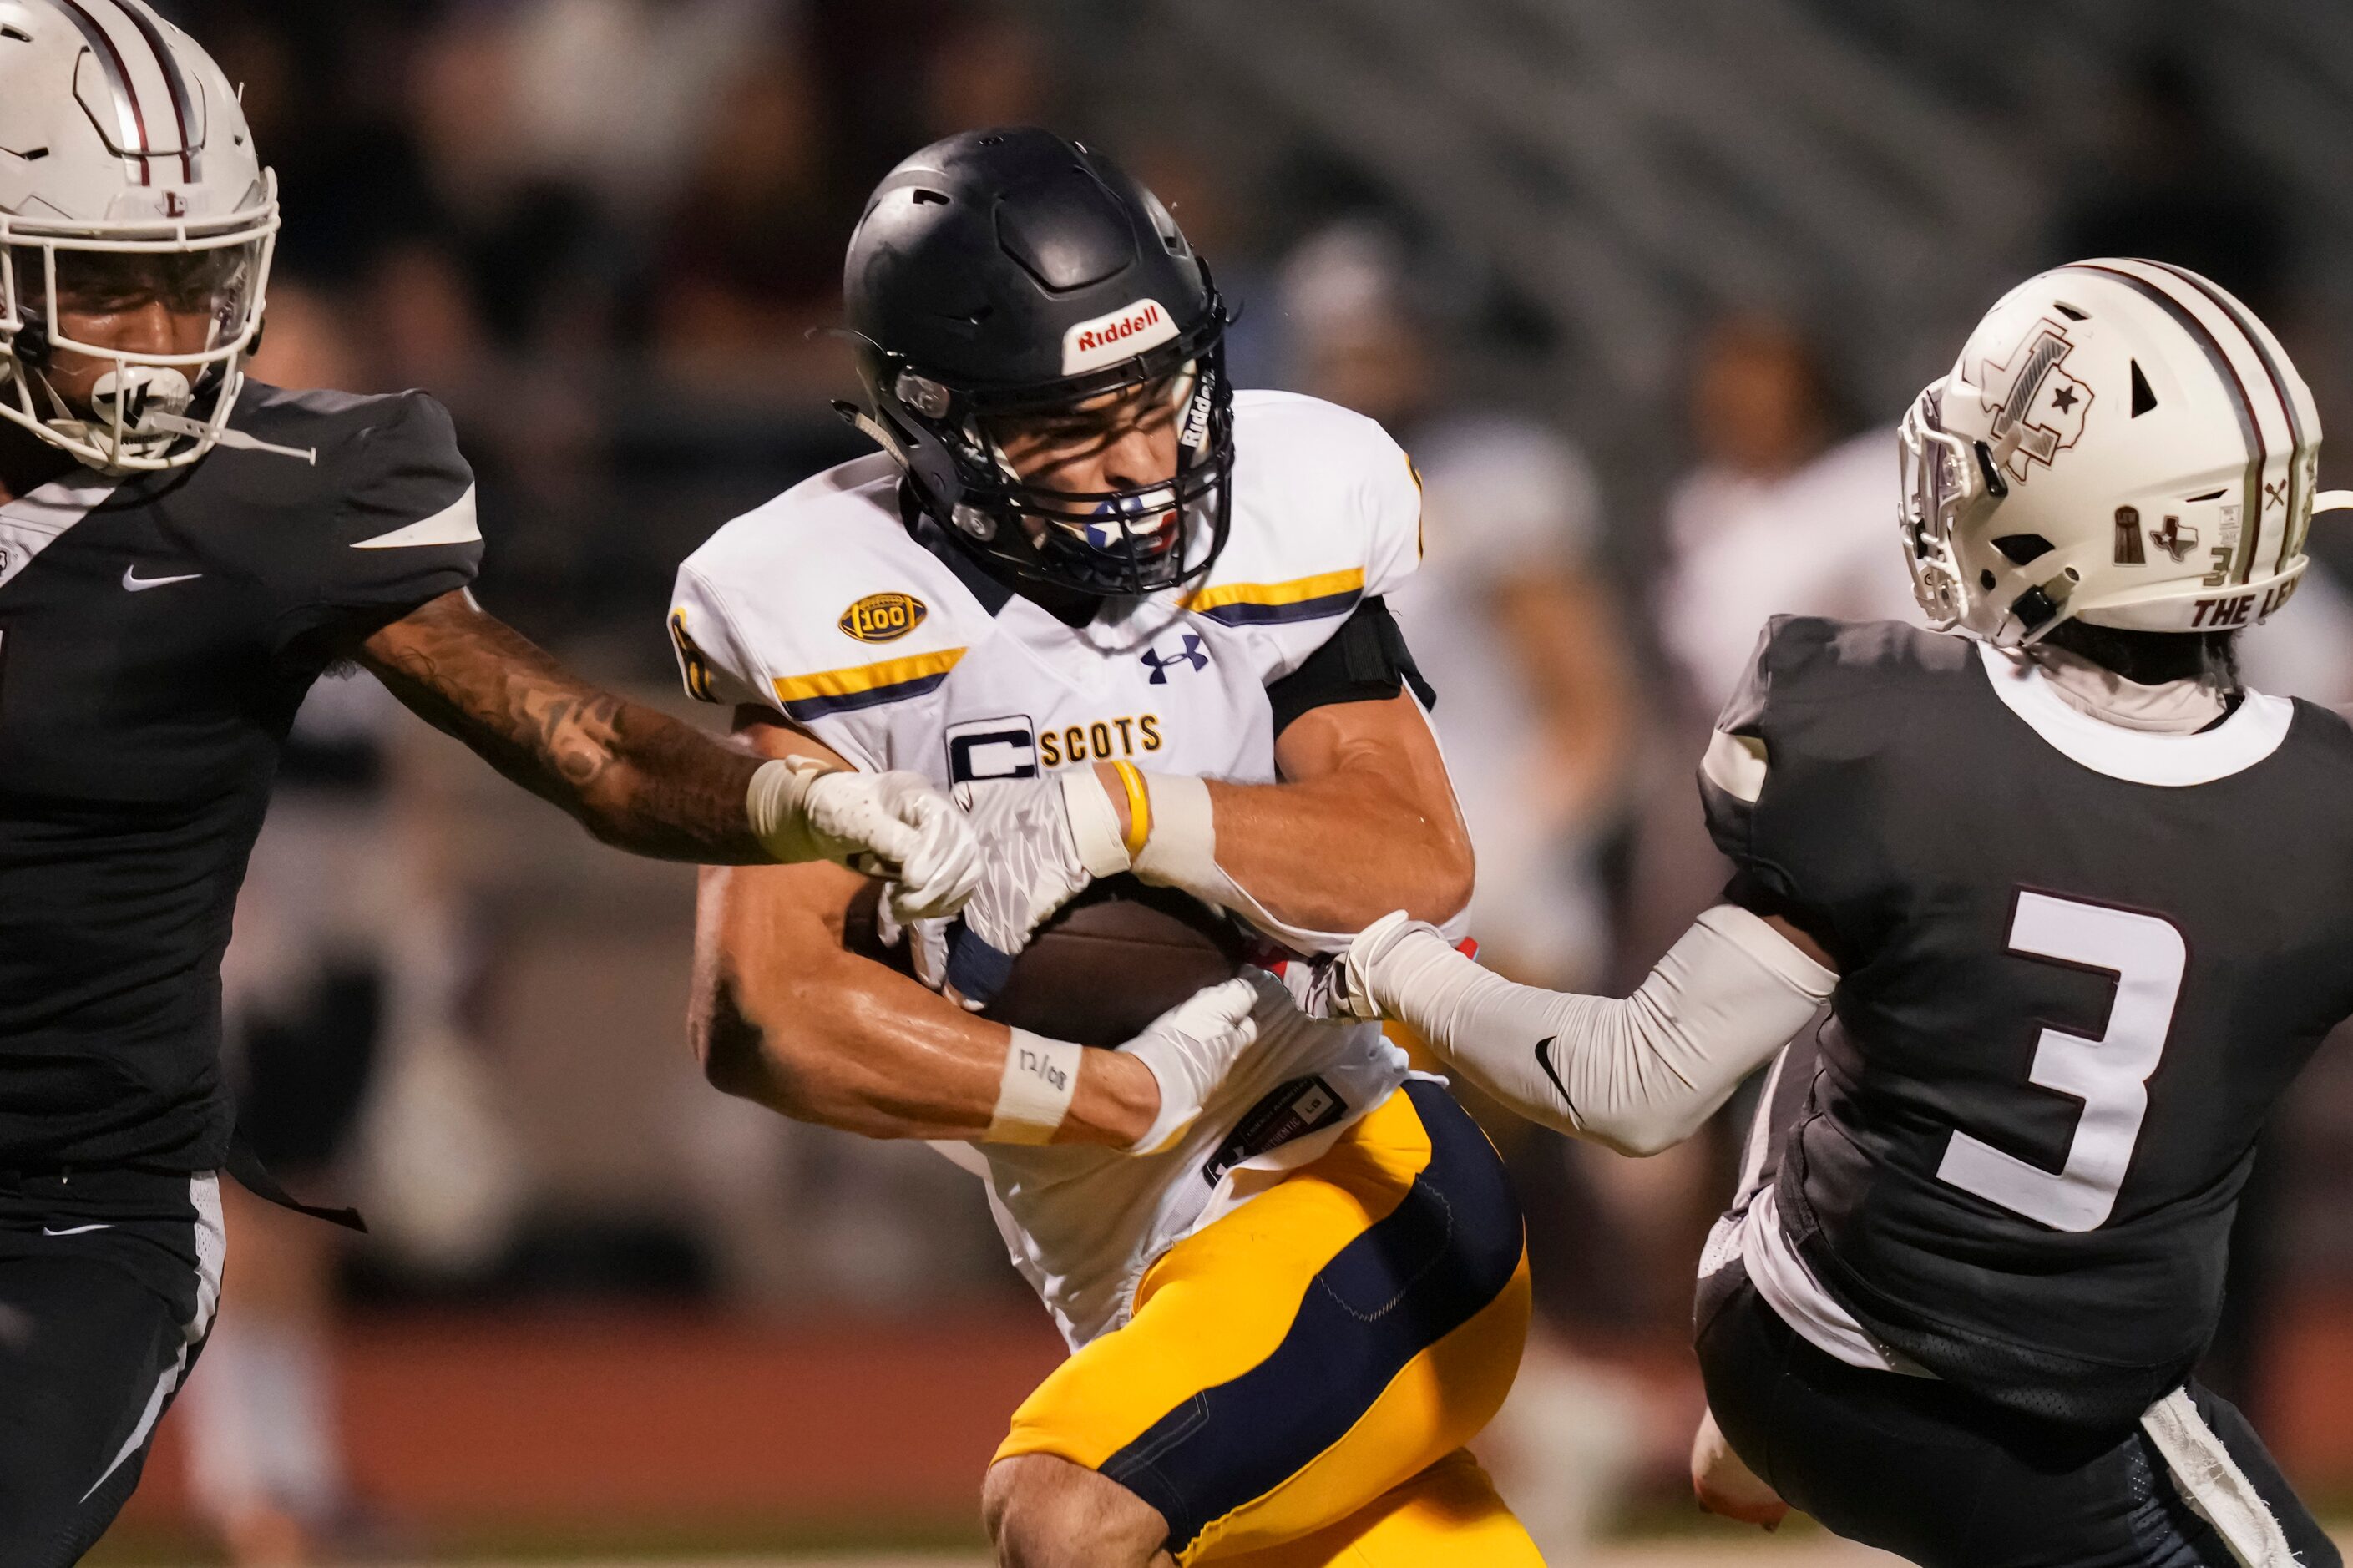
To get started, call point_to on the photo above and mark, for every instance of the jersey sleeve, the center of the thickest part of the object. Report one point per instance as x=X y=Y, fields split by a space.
x=1366 y=661
x=731 y=653
x=1327 y=518
x=827 y=616
x=400 y=527
x=1391 y=500
x=1750 y=802
x=715 y=657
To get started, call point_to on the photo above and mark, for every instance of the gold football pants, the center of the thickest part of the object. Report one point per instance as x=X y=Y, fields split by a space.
x=1298 y=1379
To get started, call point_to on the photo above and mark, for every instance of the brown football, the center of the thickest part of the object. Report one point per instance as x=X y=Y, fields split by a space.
x=1110 y=960
x=1113 y=959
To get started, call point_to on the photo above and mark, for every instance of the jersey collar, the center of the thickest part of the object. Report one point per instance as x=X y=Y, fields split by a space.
x=2138 y=756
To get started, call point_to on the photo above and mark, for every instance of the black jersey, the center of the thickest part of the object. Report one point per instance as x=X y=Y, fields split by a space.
x=2078 y=967
x=155 y=639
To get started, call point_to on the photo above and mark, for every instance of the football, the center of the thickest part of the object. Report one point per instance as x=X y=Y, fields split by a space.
x=1107 y=963
x=1113 y=959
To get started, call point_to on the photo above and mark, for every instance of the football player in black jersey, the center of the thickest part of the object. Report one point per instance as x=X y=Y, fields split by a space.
x=181 y=554
x=2081 y=906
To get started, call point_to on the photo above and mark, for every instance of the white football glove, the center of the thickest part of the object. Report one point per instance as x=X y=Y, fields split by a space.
x=893 y=825
x=1356 y=982
x=1043 y=840
x=1364 y=981
x=1192 y=1047
x=926 y=942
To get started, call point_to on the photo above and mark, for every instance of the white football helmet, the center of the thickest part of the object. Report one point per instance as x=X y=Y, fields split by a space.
x=2120 y=441
x=119 y=138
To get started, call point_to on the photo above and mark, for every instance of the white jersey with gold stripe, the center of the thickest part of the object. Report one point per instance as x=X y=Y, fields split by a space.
x=871 y=630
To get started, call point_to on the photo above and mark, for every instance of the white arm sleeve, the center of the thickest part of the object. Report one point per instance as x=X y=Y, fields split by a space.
x=1640 y=1074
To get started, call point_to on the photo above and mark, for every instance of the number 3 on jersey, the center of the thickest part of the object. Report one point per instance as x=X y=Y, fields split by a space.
x=2110 y=1075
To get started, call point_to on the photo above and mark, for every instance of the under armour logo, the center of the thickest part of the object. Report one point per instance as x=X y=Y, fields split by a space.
x=1160 y=663
x=2174 y=540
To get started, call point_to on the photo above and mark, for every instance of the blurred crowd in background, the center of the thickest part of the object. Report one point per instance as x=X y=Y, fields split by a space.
x=1643 y=287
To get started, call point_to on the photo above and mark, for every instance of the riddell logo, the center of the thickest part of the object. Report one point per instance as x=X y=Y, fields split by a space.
x=1107 y=340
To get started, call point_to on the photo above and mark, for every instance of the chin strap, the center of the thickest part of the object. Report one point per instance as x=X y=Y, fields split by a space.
x=918 y=453
x=239 y=440
x=2333 y=500
x=158 y=402
x=873 y=429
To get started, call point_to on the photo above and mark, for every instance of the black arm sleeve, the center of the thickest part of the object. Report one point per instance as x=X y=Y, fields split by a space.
x=1365 y=661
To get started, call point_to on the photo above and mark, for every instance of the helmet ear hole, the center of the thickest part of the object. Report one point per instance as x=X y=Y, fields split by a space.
x=2021 y=548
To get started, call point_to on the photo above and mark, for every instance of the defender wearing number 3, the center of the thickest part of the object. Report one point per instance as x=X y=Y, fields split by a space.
x=2081 y=906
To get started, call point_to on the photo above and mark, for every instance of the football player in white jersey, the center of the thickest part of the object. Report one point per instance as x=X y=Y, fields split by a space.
x=1135 y=620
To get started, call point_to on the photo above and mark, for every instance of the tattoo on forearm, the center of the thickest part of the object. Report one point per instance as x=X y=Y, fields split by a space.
x=638 y=779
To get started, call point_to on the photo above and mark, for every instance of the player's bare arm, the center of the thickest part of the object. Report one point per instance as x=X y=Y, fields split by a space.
x=1359 y=769
x=1355 y=773
x=1288 y=855
x=640 y=780
x=636 y=778
x=786 y=1015
x=1363 y=821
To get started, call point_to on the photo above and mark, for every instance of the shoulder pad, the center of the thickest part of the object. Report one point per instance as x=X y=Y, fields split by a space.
x=1810 y=661
x=380 y=518
x=820 y=604
x=1328 y=510
x=375 y=465
x=398 y=452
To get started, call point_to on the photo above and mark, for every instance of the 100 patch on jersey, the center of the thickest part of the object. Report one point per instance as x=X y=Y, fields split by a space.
x=883 y=618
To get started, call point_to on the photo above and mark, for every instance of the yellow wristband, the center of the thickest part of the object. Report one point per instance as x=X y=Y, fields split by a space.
x=1139 y=807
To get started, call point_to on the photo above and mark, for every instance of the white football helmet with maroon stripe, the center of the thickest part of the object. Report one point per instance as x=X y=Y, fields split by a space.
x=121 y=138
x=2121 y=442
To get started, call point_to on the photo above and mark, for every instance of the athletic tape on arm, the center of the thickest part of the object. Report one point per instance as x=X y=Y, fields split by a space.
x=1041 y=1076
x=1183 y=853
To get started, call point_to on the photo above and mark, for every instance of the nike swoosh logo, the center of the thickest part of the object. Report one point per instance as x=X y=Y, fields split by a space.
x=1543 y=1060
x=75 y=1230
x=135 y=584
x=456 y=525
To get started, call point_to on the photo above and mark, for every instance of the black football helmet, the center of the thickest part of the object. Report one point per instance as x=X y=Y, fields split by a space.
x=1006 y=273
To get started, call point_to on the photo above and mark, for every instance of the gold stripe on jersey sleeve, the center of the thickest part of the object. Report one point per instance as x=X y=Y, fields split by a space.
x=1298 y=590
x=866 y=684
